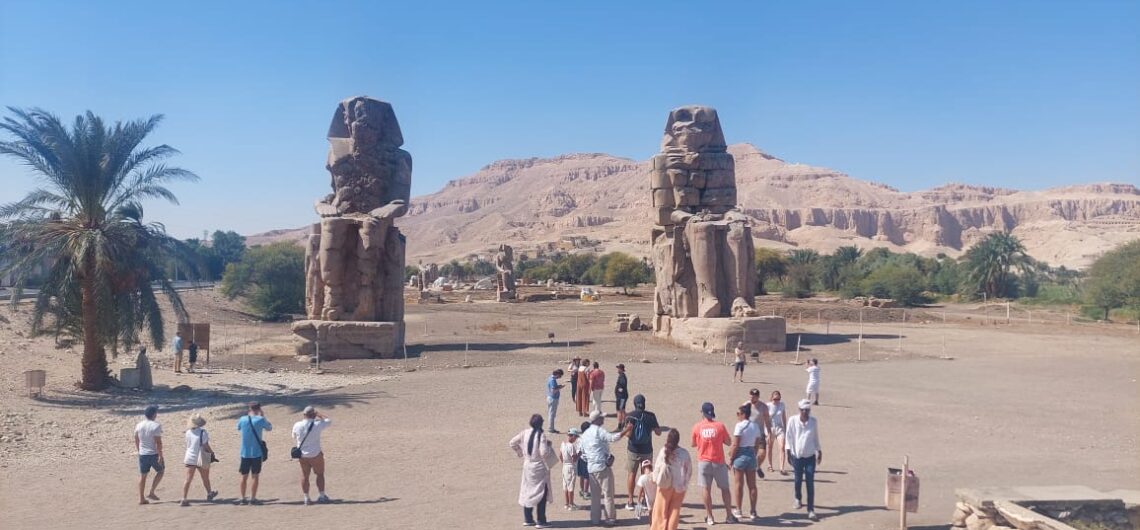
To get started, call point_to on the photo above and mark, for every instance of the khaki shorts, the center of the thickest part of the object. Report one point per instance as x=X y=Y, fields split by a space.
x=633 y=463
x=708 y=472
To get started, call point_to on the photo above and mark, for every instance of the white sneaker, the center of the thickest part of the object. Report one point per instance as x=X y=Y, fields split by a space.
x=813 y=516
x=306 y=501
x=630 y=506
x=322 y=498
x=797 y=505
x=710 y=521
x=737 y=514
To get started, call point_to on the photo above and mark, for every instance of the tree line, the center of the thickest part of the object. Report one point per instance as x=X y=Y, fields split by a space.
x=996 y=267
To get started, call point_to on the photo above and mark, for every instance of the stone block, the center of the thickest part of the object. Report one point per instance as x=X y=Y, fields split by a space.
x=720 y=178
x=635 y=322
x=659 y=179
x=718 y=197
x=621 y=326
x=129 y=378
x=678 y=177
x=660 y=160
x=660 y=216
x=977 y=521
x=717 y=161
x=663 y=198
x=697 y=179
x=348 y=339
x=687 y=196
x=766 y=333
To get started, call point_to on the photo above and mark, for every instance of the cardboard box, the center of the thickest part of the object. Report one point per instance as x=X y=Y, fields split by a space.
x=894 y=490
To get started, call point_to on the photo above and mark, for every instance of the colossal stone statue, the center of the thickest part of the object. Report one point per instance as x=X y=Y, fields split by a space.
x=354 y=264
x=505 y=273
x=703 y=252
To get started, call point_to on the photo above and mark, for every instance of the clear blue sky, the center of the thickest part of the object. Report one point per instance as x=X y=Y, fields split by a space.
x=913 y=94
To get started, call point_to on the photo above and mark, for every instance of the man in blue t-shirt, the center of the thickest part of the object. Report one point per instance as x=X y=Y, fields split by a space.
x=252 y=426
x=553 y=392
x=177 y=352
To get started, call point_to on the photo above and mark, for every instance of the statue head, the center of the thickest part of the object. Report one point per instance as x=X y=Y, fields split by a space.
x=366 y=121
x=693 y=128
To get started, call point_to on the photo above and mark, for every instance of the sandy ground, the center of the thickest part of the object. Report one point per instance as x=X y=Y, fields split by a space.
x=422 y=443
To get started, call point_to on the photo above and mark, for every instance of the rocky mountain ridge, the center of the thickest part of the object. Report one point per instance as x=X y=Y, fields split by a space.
x=543 y=202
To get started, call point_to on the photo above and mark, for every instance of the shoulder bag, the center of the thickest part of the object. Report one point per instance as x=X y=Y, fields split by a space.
x=296 y=451
x=264 y=448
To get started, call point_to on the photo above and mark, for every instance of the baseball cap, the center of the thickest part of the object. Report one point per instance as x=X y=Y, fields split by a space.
x=573 y=432
x=639 y=402
x=805 y=404
x=707 y=410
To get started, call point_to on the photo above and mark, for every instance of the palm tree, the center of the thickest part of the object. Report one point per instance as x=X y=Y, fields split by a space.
x=990 y=262
x=831 y=267
x=86 y=222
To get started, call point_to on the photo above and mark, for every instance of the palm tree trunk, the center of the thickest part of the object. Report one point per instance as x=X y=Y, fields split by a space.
x=94 y=356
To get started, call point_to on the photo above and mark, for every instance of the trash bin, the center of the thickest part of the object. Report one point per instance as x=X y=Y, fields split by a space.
x=894 y=490
x=36 y=380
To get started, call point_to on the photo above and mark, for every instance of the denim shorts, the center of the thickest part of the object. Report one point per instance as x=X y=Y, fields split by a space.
x=745 y=459
x=147 y=462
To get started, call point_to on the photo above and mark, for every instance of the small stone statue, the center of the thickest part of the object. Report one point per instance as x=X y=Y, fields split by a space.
x=505 y=275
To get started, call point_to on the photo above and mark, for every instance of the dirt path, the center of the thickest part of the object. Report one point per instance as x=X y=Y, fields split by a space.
x=427 y=448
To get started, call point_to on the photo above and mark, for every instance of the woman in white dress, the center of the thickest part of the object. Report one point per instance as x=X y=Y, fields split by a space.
x=779 y=418
x=199 y=454
x=537 y=452
x=813 y=381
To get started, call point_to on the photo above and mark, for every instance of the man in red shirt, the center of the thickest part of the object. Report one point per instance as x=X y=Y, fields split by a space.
x=597 y=383
x=710 y=437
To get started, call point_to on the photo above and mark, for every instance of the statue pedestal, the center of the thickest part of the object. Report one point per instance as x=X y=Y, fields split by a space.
x=349 y=340
x=710 y=334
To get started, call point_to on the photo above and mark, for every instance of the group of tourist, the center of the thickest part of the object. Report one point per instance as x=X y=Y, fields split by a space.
x=587 y=382
x=200 y=454
x=656 y=484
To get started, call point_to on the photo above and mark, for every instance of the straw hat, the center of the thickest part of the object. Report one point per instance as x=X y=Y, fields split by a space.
x=197 y=420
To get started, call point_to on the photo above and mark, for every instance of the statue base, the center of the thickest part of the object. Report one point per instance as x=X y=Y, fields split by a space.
x=713 y=334
x=505 y=296
x=348 y=340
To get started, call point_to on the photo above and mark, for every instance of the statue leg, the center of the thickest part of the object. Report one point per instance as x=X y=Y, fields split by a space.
x=334 y=235
x=741 y=263
x=702 y=239
x=314 y=286
x=368 y=250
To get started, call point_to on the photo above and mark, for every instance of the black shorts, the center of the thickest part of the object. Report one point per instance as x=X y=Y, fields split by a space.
x=739 y=367
x=621 y=403
x=250 y=465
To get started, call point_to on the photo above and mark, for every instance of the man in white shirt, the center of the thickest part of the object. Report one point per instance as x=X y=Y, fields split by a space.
x=595 y=447
x=805 y=452
x=307 y=438
x=148 y=442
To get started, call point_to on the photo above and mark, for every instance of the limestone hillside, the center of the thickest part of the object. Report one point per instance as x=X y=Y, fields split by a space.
x=540 y=202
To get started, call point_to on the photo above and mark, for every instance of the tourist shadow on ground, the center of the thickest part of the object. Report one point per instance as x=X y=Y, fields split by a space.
x=233 y=399
x=420 y=349
x=381 y=500
x=820 y=339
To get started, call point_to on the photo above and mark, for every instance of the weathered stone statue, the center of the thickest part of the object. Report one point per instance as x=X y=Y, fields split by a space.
x=354 y=266
x=703 y=252
x=505 y=275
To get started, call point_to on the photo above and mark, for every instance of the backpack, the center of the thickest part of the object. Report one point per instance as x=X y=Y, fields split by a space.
x=641 y=433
